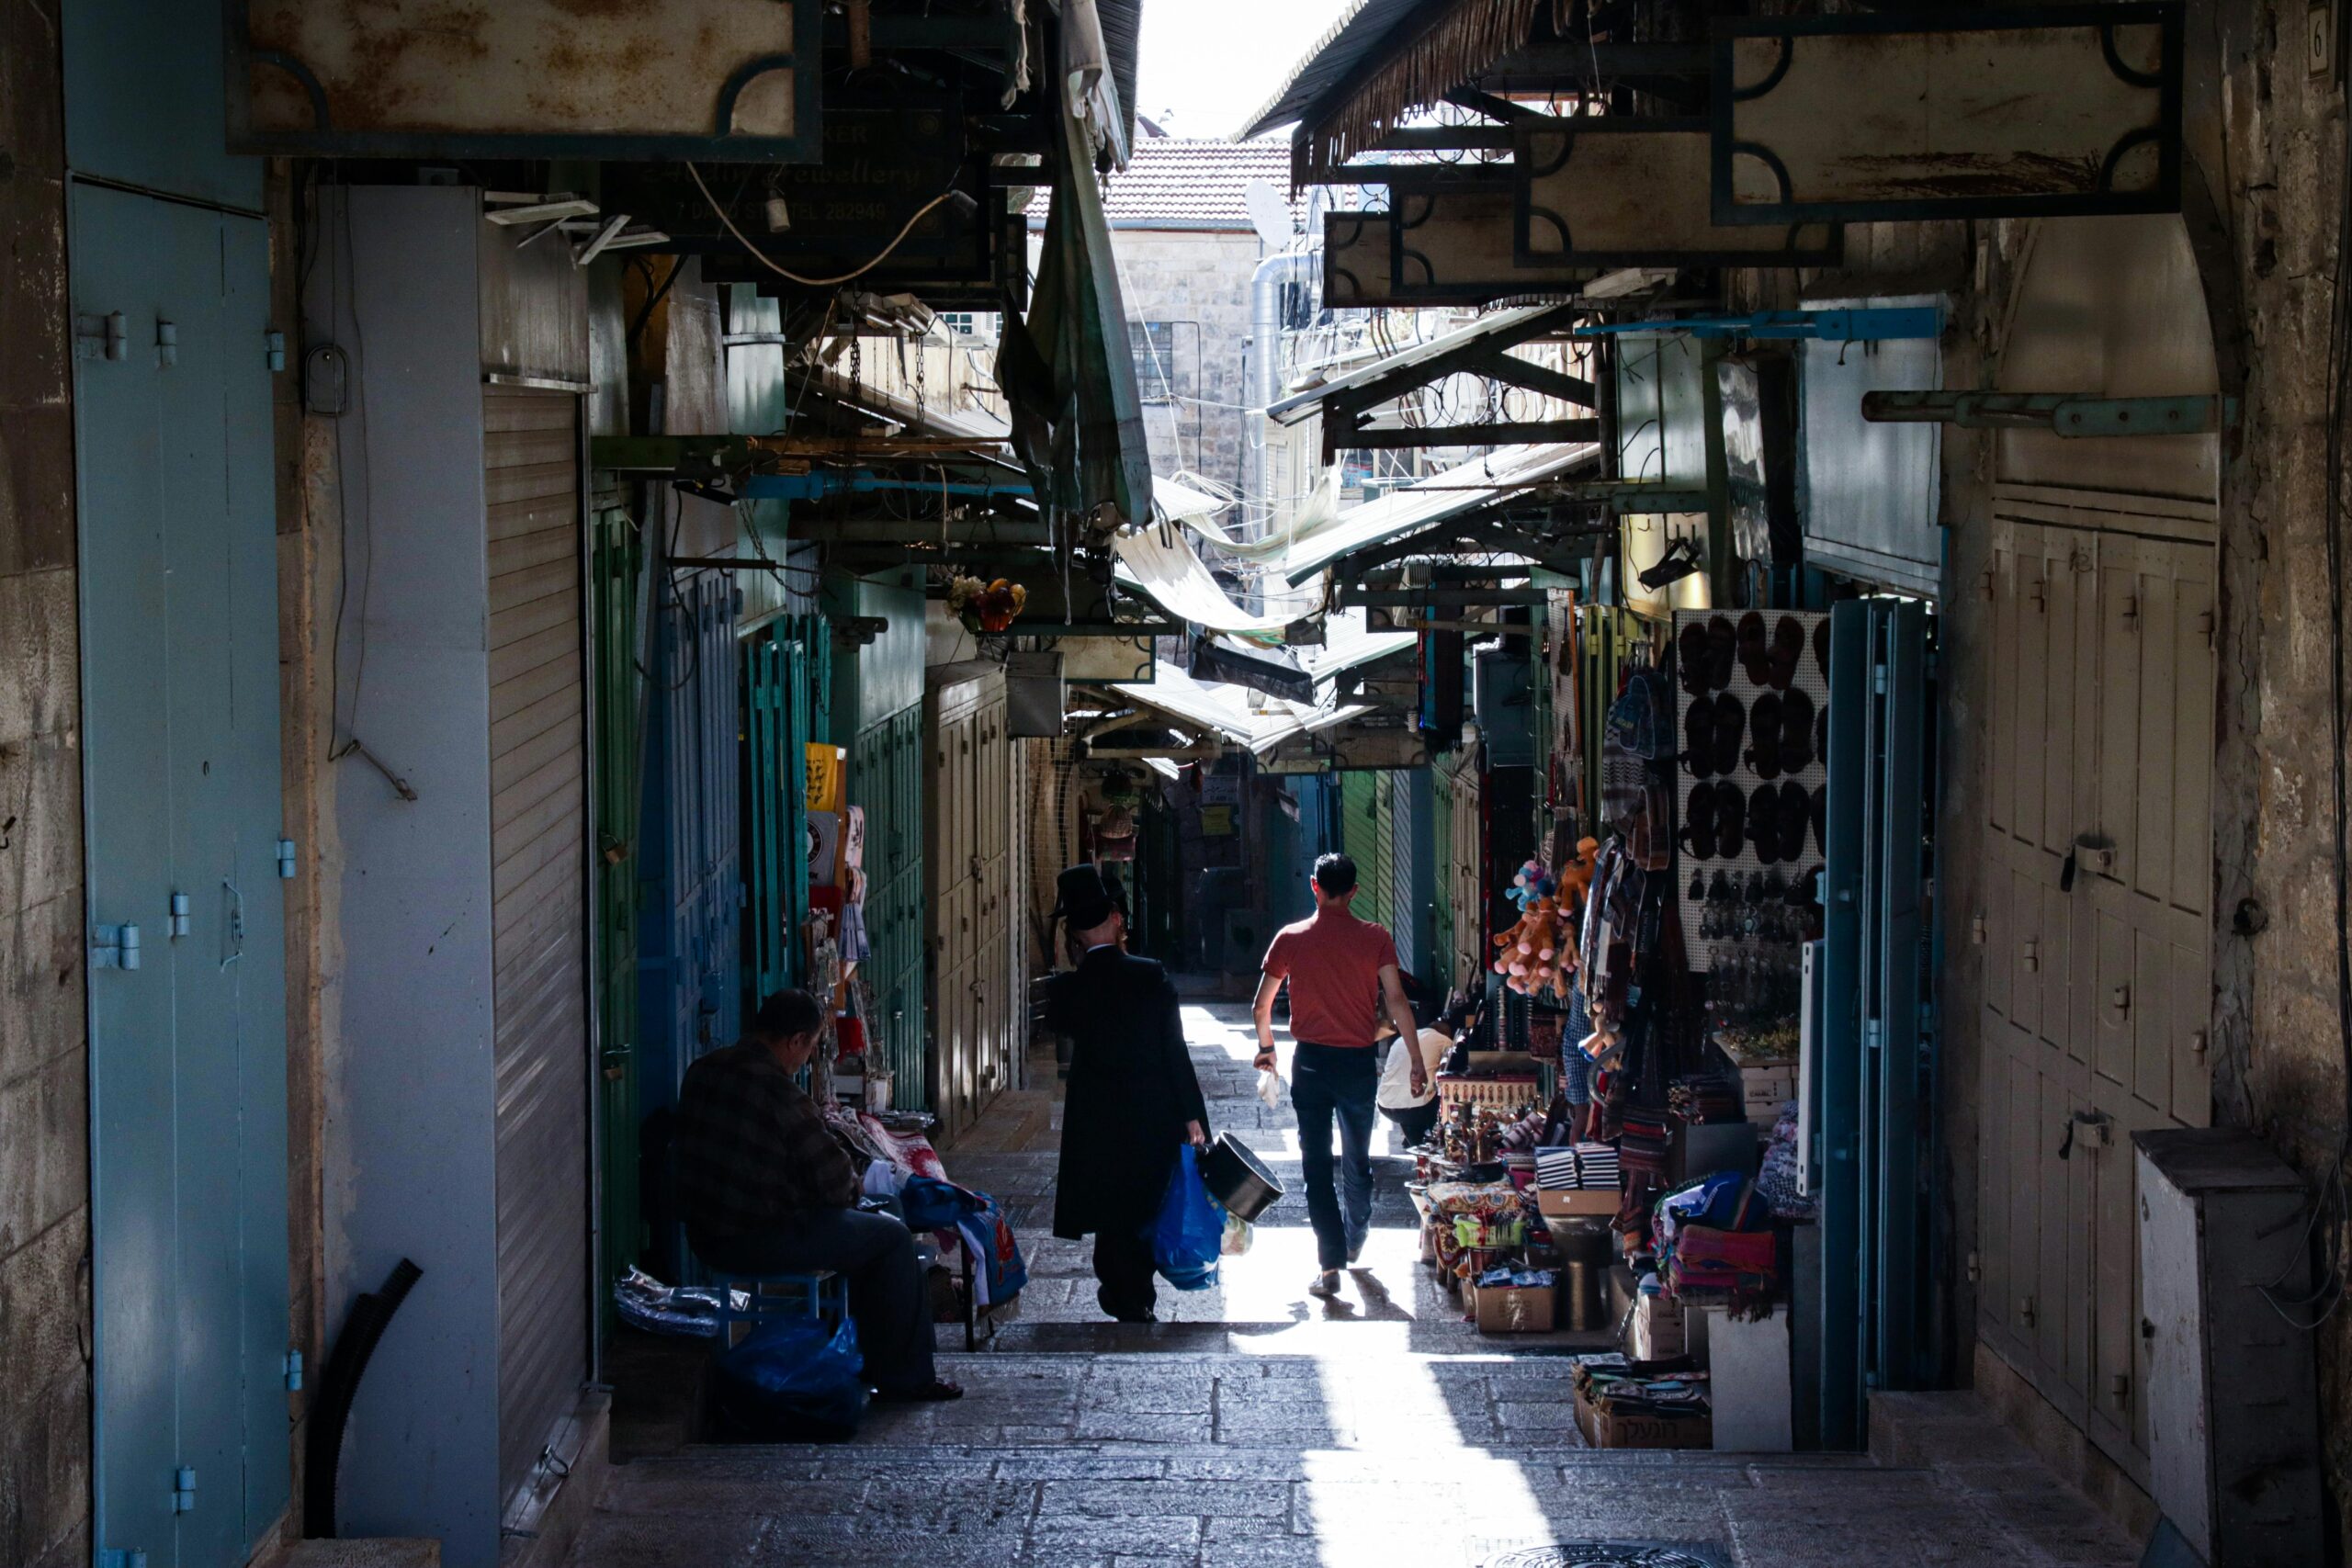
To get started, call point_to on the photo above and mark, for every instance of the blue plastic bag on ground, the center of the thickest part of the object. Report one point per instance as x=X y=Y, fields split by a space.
x=1189 y=1235
x=796 y=1380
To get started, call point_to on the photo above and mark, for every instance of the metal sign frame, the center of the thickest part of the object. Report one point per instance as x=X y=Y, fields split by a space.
x=2166 y=133
x=324 y=139
x=1433 y=198
x=1804 y=244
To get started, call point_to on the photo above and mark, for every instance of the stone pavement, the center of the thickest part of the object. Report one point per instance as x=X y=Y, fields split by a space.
x=1262 y=1428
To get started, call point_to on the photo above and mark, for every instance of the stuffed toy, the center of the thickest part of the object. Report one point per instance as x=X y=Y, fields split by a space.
x=1536 y=954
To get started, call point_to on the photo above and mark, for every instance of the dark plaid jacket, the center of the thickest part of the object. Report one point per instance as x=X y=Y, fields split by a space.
x=753 y=1149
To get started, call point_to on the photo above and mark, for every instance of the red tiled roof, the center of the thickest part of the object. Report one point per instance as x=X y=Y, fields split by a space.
x=1175 y=182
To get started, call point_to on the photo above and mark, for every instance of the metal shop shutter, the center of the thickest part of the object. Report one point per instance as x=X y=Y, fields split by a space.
x=538 y=929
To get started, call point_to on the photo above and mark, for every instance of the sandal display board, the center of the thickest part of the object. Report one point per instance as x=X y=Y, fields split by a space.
x=1752 y=712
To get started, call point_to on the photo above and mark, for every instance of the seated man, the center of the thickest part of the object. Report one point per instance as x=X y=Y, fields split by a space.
x=765 y=1189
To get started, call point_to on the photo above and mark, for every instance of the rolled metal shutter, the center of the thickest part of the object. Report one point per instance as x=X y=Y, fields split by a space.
x=1404 y=905
x=538 y=916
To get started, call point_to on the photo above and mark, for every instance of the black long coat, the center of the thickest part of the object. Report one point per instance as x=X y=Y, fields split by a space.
x=1131 y=1090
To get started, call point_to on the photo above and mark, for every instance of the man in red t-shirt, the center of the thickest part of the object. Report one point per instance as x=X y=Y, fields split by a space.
x=1343 y=978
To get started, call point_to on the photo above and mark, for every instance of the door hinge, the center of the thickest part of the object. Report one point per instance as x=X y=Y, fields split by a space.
x=184 y=1490
x=285 y=859
x=273 y=350
x=176 y=926
x=1873 y=1035
x=293 y=1369
x=101 y=337
x=167 y=344
x=116 y=947
x=123 y=1557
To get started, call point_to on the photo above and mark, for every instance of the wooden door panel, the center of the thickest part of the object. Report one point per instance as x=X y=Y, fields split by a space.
x=2054 y=938
x=2026 y=947
x=2111 y=1048
x=2020 y=1116
x=2001 y=749
x=2155 y=602
x=2188 y=1016
x=2069 y=594
x=2119 y=728
x=2001 y=945
x=2032 y=707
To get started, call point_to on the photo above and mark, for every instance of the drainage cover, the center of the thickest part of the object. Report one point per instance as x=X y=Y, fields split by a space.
x=1601 y=1555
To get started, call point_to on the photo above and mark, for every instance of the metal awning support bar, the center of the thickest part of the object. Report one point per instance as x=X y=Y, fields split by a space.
x=2067 y=414
x=1870 y=324
x=1561 y=432
x=1351 y=597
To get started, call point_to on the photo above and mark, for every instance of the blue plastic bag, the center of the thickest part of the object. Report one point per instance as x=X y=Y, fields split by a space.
x=1189 y=1235
x=796 y=1380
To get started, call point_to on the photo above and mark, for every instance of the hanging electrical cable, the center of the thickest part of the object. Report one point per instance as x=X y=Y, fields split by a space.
x=764 y=260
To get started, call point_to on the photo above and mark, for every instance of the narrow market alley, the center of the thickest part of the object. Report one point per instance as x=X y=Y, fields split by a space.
x=1261 y=1429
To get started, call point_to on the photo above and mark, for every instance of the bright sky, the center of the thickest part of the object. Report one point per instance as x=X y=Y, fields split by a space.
x=1207 y=65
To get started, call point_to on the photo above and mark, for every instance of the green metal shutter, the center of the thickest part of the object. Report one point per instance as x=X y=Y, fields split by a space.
x=619 y=587
x=787 y=680
x=886 y=777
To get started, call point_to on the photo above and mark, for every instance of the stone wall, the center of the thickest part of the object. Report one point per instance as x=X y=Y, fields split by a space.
x=44 y=1065
x=1198 y=280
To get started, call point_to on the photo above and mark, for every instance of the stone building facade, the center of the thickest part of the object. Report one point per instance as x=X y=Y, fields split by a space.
x=1186 y=247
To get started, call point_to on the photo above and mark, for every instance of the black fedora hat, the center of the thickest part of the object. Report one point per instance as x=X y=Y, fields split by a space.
x=1082 y=898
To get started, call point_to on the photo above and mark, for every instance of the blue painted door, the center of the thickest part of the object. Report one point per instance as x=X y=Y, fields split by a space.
x=690 y=952
x=1873 y=1047
x=187 y=1050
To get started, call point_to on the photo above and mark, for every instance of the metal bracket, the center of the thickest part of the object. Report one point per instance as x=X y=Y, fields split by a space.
x=1870 y=324
x=116 y=947
x=2063 y=413
x=101 y=337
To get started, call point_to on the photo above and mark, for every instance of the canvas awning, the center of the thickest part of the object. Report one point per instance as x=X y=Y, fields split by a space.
x=1433 y=501
x=1386 y=57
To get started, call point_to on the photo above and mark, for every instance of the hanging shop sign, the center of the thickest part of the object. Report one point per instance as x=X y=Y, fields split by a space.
x=706 y=79
x=1356 y=248
x=2030 y=111
x=1604 y=191
x=1450 y=240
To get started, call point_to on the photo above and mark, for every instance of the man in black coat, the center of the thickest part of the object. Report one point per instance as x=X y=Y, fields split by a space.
x=1133 y=1099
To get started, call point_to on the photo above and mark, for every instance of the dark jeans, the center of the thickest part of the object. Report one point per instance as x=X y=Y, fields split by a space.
x=888 y=1297
x=1123 y=1265
x=1327 y=1082
x=1414 y=1123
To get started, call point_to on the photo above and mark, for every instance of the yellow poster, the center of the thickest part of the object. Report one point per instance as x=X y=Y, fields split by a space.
x=825 y=770
x=1216 y=821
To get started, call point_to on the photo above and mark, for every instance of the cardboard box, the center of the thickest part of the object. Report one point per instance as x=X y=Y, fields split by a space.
x=1514 y=1309
x=1578 y=1203
x=1657 y=1330
x=1603 y=1430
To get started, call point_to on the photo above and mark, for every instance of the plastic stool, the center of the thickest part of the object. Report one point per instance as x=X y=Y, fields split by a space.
x=821 y=1296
